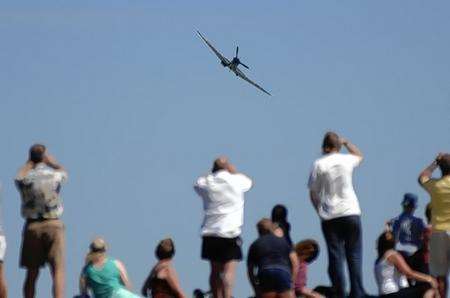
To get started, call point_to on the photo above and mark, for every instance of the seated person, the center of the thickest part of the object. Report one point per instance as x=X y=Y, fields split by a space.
x=307 y=252
x=392 y=271
x=275 y=261
x=162 y=282
x=104 y=276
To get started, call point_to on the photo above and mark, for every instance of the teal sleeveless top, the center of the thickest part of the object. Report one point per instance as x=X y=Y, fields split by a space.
x=105 y=280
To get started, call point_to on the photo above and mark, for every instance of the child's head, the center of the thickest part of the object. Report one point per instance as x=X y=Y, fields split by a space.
x=307 y=250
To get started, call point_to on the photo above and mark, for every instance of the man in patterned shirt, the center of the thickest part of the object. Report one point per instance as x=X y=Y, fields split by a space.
x=39 y=182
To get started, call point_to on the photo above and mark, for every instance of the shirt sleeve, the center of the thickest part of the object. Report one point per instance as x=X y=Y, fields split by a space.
x=354 y=160
x=428 y=184
x=199 y=185
x=243 y=182
x=61 y=176
x=313 y=181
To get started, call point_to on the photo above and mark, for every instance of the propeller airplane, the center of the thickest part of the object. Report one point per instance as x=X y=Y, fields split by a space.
x=233 y=65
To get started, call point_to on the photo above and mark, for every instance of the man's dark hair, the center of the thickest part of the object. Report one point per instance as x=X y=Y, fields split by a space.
x=37 y=153
x=165 y=249
x=331 y=142
x=444 y=164
x=219 y=164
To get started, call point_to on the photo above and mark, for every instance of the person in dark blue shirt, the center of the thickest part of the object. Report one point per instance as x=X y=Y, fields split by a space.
x=274 y=260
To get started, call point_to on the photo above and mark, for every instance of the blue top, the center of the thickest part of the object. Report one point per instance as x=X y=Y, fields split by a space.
x=408 y=229
x=270 y=252
x=103 y=281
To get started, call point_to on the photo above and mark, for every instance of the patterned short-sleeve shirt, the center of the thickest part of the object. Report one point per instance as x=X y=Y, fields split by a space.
x=39 y=190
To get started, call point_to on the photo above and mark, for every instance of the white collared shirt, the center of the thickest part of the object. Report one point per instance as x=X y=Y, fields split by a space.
x=223 y=203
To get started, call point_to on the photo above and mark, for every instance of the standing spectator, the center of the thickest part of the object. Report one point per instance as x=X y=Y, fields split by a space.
x=333 y=196
x=3 y=288
x=275 y=261
x=391 y=271
x=104 y=276
x=279 y=216
x=407 y=228
x=439 y=190
x=307 y=251
x=222 y=192
x=162 y=282
x=39 y=182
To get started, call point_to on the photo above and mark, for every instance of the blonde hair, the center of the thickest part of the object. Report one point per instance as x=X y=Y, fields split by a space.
x=97 y=249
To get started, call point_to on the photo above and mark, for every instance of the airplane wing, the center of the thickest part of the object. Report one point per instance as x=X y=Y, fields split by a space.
x=219 y=55
x=240 y=74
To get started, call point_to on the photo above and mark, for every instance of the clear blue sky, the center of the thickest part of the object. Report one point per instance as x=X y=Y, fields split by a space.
x=131 y=101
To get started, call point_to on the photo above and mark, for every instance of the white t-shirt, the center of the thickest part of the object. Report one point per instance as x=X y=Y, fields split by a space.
x=331 y=180
x=223 y=203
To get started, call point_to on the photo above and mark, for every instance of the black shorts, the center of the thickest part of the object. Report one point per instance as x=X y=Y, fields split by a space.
x=218 y=249
x=274 y=280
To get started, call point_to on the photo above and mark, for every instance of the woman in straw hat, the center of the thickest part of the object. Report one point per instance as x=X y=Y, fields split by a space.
x=104 y=276
x=162 y=281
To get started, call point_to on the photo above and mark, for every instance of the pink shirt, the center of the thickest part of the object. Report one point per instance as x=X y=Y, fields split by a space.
x=300 y=279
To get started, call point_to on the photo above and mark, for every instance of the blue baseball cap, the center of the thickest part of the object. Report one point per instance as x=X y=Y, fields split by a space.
x=410 y=200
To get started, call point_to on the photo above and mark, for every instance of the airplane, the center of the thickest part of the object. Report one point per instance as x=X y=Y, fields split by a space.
x=233 y=64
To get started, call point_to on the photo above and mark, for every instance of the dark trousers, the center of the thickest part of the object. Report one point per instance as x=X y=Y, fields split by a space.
x=344 y=242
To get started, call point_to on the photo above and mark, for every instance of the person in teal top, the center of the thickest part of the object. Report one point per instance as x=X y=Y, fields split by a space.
x=103 y=276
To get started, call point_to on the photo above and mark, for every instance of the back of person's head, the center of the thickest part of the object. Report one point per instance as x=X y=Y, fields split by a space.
x=264 y=226
x=279 y=213
x=165 y=249
x=428 y=212
x=409 y=202
x=37 y=153
x=97 y=249
x=220 y=163
x=444 y=164
x=307 y=250
x=385 y=242
x=331 y=142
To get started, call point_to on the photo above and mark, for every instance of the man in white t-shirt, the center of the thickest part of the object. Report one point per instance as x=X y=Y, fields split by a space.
x=333 y=197
x=222 y=192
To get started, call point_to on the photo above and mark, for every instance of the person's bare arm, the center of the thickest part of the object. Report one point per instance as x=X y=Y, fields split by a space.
x=426 y=174
x=294 y=266
x=352 y=149
x=252 y=278
x=123 y=274
x=172 y=280
x=399 y=262
x=51 y=161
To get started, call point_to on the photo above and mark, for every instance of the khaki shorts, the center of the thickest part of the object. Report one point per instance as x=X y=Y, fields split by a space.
x=43 y=242
x=439 y=253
